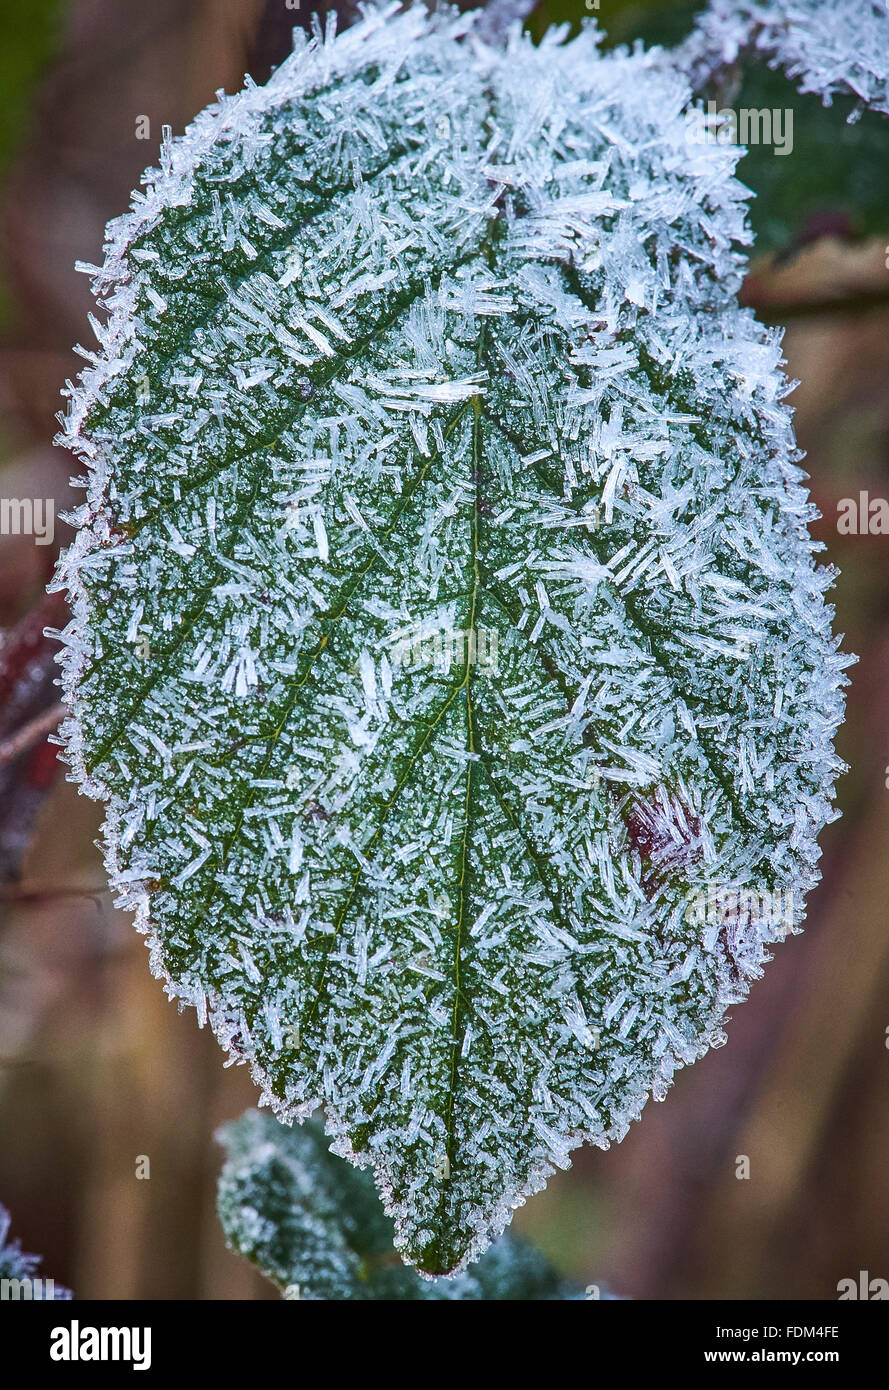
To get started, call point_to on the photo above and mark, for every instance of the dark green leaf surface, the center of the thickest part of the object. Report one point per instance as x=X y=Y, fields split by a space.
x=446 y=623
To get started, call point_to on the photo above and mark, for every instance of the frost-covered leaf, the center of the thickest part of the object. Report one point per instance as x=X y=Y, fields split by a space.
x=427 y=339
x=825 y=46
x=19 y=1280
x=315 y=1227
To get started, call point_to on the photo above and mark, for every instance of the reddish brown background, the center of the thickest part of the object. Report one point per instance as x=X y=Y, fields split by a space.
x=97 y=1068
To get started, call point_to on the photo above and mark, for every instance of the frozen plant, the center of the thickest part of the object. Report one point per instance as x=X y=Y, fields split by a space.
x=467 y=310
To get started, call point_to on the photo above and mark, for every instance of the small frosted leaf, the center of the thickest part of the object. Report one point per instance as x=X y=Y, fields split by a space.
x=825 y=46
x=315 y=1227
x=446 y=620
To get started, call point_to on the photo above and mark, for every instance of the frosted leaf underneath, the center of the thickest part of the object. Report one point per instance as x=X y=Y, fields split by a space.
x=315 y=1227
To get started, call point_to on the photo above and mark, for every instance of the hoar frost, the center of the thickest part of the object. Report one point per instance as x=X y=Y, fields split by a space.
x=824 y=46
x=314 y=1226
x=429 y=333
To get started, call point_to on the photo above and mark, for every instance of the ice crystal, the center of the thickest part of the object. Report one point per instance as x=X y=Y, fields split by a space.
x=431 y=335
x=825 y=46
x=315 y=1227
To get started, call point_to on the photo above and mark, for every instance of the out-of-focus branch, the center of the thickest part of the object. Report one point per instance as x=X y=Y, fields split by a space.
x=825 y=272
x=35 y=731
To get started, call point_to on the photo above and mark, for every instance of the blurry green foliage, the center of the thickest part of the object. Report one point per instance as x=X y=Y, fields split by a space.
x=834 y=167
x=30 y=34
x=655 y=21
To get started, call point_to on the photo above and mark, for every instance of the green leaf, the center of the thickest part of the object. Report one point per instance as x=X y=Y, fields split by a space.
x=315 y=1227
x=448 y=645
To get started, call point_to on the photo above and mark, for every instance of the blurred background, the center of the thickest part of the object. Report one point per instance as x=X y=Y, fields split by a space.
x=97 y=1068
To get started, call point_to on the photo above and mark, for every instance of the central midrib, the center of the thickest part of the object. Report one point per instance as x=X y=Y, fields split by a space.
x=471 y=755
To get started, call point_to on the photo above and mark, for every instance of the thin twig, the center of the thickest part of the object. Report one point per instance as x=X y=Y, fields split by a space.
x=37 y=892
x=30 y=734
x=853 y=305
